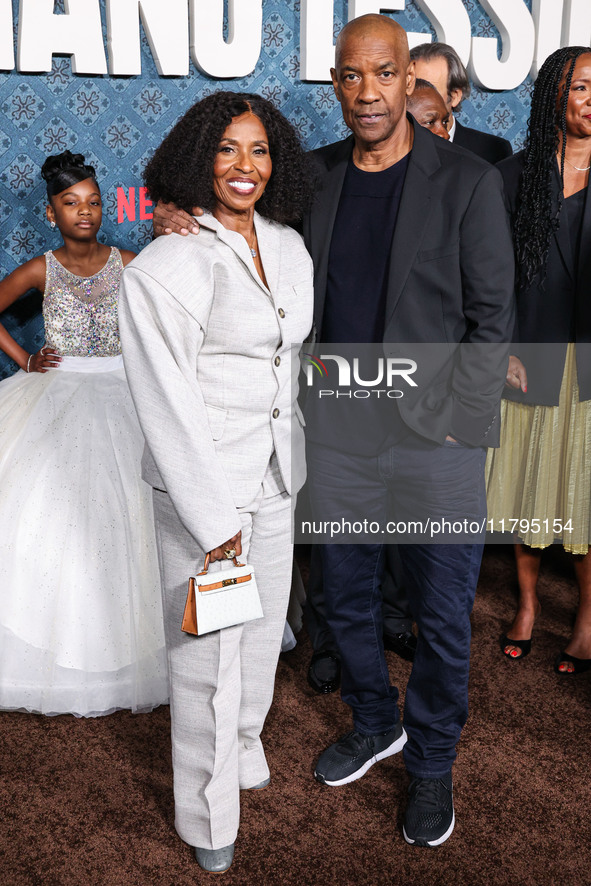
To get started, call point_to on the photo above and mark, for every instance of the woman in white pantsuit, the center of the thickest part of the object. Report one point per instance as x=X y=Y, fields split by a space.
x=211 y=328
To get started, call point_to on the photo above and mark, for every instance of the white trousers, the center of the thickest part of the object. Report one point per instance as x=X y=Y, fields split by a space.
x=221 y=684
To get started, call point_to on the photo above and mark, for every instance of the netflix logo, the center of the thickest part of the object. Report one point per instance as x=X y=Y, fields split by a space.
x=131 y=207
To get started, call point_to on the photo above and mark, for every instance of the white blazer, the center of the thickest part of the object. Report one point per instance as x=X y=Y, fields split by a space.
x=212 y=359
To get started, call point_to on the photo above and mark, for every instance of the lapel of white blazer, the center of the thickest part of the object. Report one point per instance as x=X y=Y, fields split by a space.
x=269 y=240
x=268 y=236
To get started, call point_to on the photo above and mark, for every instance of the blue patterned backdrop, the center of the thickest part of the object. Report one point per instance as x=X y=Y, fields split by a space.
x=118 y=121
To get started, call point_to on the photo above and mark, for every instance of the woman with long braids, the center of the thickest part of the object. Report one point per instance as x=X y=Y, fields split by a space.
x=542 y=472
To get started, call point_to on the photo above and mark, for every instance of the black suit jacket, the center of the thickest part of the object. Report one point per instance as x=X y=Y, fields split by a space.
x=450 y=282
x=556 y=310
x=491 y=148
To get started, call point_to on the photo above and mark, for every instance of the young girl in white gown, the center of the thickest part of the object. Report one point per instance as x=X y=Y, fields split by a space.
x=80 y=606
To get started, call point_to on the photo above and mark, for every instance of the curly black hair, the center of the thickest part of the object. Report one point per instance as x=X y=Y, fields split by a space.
x=181 y=170
x=537 y=216
x=61 y=171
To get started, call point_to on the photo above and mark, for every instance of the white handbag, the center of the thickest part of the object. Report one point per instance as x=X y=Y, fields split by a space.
x=221 y=599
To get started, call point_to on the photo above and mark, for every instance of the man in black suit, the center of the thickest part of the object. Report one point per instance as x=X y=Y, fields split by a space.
x=411 y=243
x=441 y=65
x=428 y=108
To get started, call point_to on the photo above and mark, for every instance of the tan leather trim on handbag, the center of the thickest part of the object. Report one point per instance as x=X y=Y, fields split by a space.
x=205 y=569
x=225 y=583
x=189 y=622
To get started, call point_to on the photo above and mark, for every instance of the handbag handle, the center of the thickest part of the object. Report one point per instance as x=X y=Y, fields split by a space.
x=208 y=560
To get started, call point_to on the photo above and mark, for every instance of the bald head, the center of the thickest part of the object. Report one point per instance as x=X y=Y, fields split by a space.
x=370 y=27
x=372 y=77
x=428 y=108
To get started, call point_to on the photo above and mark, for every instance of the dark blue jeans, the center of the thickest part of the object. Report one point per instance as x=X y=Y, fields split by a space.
x=395 y=609
x=440 y=577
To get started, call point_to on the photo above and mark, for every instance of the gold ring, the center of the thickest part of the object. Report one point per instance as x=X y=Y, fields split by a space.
x=230 y=553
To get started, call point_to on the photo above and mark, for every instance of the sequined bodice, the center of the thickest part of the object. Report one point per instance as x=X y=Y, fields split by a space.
x=80 y=313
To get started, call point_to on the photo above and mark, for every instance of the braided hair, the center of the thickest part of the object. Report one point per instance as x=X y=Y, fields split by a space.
x=537 y=216
x=61 y=171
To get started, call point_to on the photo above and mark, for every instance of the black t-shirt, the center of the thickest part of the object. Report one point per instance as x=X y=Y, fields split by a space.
x=355 y=308
x=359 y=258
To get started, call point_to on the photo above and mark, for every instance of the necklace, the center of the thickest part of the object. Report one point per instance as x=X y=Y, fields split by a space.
x=253 y=252
x=578 y=168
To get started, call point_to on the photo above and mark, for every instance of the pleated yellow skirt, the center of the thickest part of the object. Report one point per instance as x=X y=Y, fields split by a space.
x=539 y=479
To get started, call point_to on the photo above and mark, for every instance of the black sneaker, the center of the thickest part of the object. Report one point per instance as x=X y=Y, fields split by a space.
x=354 y=753
x=324 y=672
x=403 y=644
x=429 y=818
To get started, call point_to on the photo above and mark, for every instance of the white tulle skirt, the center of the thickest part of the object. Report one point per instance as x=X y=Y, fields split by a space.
x=80 y=607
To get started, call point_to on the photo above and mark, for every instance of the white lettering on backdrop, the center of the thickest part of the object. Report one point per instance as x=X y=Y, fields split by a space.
x=177 y=29
x=235 y=57
x=6 y=40
x=166 y=27
x=451 y=22
x=518 y=38
x=526 y=39
x=77 y=33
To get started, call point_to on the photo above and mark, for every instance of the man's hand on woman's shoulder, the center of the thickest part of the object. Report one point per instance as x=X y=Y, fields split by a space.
x=169 y=219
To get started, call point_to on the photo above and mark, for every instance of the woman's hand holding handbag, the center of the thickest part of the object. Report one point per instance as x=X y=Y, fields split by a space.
x=220 y=599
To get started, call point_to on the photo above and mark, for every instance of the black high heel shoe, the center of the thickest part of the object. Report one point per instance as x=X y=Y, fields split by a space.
x=524 y=645
x=580 y=664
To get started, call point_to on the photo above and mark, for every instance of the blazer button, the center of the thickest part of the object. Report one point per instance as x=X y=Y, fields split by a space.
x=275 y=413
x=277 y=361
x=281 y=313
